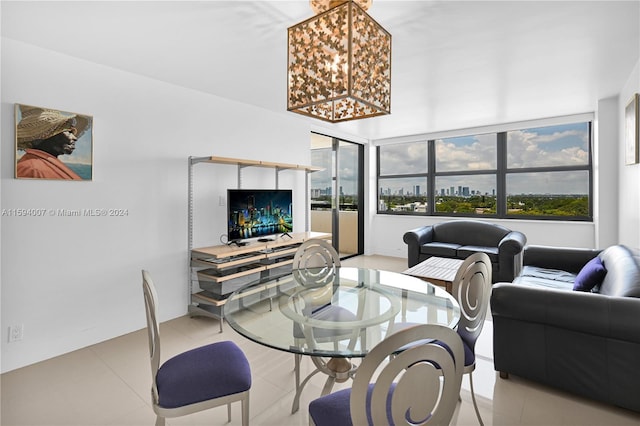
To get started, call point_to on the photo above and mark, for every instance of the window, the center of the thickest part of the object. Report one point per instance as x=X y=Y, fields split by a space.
x=465 y=175
x=538 y=173
x=472 y=194
x=549 y=171
x=402 y=178
x=466 y=153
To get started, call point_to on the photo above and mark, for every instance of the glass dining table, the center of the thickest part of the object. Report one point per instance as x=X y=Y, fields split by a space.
x=335 y=315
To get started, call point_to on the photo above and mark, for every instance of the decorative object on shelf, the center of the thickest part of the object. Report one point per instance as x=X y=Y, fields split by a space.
x=339 y=63
x=43 y=135
x=632 y=130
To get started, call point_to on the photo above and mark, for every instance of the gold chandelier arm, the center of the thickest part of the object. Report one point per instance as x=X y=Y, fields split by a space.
x=319 y=6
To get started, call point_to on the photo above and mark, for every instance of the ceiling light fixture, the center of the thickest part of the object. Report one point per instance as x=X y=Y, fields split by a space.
x=339 y=63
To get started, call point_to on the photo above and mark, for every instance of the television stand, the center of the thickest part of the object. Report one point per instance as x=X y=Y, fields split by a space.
x=222 y=269
x=228 y=257
x=264 y=240
x=286 y=234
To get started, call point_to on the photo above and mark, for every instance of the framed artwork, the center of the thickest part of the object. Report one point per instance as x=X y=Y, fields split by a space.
x=632 y=130
x=53 y=144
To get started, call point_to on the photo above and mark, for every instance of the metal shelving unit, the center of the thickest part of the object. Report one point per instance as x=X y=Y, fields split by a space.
x=254 y=258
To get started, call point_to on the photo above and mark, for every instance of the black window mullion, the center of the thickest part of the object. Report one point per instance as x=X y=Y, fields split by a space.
x=501 y=178
x=431 y=176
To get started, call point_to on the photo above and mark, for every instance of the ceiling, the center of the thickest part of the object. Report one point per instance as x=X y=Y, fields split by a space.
x=455 y=64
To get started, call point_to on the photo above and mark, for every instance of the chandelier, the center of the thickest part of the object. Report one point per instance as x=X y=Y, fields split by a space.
x=339 y=63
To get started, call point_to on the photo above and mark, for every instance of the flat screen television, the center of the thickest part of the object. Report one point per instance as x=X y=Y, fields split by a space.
x=258 y=213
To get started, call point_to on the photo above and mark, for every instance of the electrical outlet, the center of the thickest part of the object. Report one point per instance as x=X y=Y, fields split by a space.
x=16 y=333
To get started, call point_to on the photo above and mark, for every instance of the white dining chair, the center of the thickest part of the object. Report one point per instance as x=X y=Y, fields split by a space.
x=420 y=384
x=198 y=379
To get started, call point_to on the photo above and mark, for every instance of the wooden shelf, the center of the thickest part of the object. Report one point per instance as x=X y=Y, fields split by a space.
x=225 y=265
x=256 y=163
x=229 y=251
x=207 y=298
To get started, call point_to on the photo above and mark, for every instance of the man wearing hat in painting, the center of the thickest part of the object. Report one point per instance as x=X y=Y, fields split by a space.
x=44 y=134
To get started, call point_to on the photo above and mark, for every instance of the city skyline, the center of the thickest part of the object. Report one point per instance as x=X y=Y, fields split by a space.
x=550 y=146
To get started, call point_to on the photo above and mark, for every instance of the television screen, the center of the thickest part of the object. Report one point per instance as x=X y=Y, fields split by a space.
x=255 y=213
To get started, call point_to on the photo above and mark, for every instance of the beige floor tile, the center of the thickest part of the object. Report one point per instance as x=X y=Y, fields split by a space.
x=74 y=389
x=109 y=384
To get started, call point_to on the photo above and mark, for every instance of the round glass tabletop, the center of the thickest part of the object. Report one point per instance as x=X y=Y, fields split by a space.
x=340 y=312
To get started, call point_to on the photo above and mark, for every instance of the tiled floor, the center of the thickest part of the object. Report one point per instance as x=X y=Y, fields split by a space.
x=108 y=384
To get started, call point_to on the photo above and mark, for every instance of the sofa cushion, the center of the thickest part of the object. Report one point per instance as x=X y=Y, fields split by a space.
x=545 y=277
x=623 y=271
x=468 y=232
x=440 y=249
x=590 y=275
x=549 y=274
x=466 y=251
x=543 y=282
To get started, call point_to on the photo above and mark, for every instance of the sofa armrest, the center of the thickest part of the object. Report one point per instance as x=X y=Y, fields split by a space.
x=564 y=258
x=583 y=312
x=512 y=243
x=510 y=250
x=414 y=239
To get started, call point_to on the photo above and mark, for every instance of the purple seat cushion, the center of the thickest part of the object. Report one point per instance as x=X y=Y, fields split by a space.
x=335 y=409
x=203 y=373
x=590 y=275
x=469 y=353
x=329 y=313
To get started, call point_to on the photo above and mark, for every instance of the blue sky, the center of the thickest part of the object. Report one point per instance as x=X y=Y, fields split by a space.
x=559 y=145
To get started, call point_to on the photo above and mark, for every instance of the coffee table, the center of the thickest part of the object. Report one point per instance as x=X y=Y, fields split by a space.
x=268 y=312
x=437 y=270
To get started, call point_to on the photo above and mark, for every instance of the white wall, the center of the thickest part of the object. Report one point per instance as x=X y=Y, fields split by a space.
x=388 y=230
x=629 y=176
x=605 y=171
x=75 y=281
x=616 y=195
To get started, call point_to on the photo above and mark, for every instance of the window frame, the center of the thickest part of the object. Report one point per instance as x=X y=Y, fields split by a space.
x=501 y=171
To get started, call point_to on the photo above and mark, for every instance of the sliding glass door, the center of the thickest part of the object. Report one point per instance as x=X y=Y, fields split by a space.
x=337 y=192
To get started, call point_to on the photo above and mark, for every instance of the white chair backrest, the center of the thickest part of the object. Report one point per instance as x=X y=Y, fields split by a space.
x=472 y=289
x=153 y=330
x=317 y=261
x=316 y=253
x=428 y=377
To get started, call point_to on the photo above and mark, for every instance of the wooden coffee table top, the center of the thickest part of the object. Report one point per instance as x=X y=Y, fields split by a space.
x=438 y=270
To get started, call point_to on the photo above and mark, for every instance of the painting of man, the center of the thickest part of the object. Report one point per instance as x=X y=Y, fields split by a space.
x=52 y=144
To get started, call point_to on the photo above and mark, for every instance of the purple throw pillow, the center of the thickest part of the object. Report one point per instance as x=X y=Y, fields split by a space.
x=590 y=275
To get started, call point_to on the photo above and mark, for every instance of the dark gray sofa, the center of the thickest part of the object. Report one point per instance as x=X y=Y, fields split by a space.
x=587 y=343
x=460 y=238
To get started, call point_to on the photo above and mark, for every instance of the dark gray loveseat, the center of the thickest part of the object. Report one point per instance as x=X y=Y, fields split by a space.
x=584 y=342
x=459 y=239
